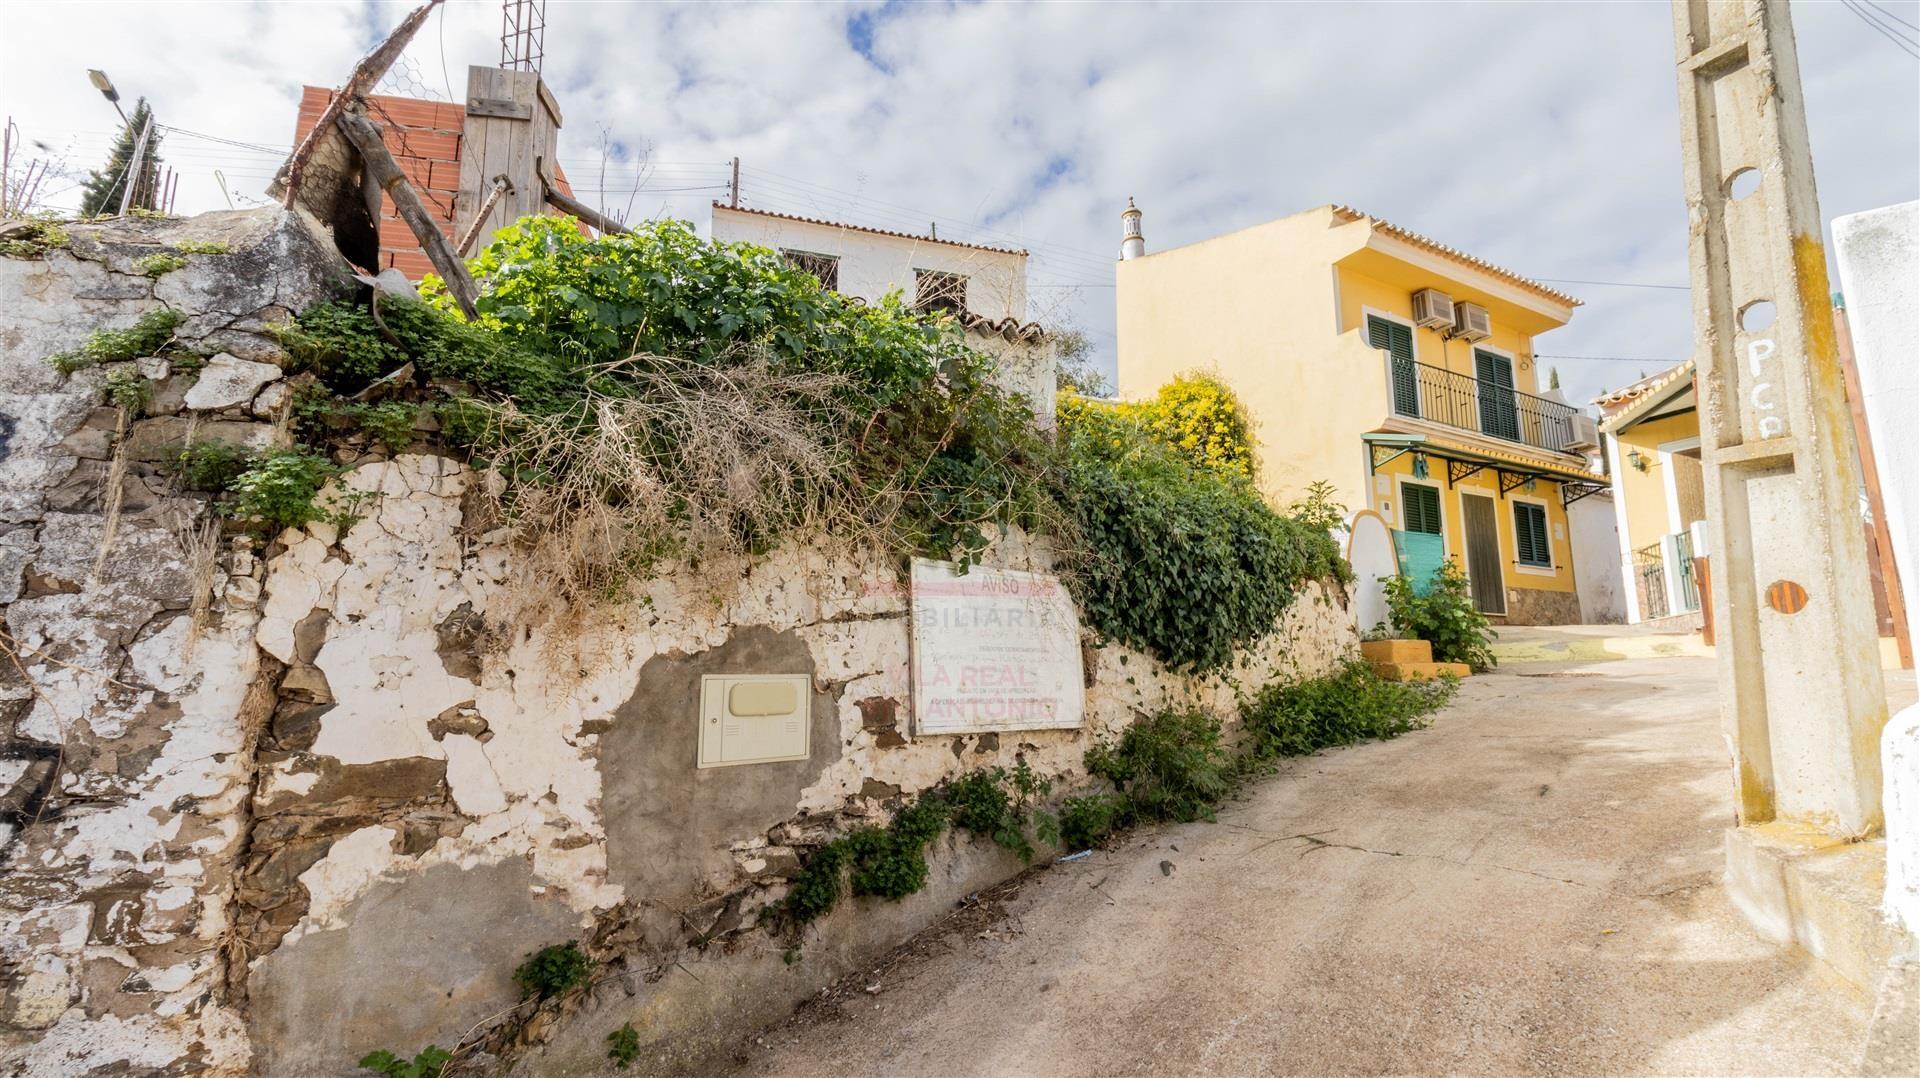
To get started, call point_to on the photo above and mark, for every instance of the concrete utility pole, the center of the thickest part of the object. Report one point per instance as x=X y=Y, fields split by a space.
x=1800 y=681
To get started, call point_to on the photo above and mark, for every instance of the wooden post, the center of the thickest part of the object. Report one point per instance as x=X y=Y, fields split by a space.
x=1870 y=472
x=605 y=225
x=380 y=165
x=365 y=73
x=512 y=122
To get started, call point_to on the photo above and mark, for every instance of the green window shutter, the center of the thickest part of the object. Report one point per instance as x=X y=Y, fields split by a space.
x=1421 y=505
x=1497 y=402
x=1530 y=535
x=1397 y=341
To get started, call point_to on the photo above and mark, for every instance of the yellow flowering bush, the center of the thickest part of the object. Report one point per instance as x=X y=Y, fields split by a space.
x=1195 y=415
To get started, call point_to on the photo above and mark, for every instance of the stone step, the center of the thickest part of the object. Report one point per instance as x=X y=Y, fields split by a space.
x=1396 y=651
x=1420 y=671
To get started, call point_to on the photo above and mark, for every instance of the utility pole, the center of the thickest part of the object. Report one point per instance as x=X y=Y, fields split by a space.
x=733 y=188
x=133 y=163
x=1800 y=684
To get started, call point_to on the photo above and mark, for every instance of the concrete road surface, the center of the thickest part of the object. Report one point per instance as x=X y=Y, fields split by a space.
x=1529 y=886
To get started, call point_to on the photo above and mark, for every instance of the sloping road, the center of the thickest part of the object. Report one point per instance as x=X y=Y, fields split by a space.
x=1529 y=886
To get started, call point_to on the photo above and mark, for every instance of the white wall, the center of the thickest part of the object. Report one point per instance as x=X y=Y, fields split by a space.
x=1593 y=528
x=871 y=264
x=1879 y=257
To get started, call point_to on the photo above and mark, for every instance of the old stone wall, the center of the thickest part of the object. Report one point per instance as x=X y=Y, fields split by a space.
x=131 y=683
x=271 y=811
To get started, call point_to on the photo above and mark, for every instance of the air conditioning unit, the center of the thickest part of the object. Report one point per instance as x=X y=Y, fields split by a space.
x=1470 y=320
x=1432 y=309
x=1583 y=433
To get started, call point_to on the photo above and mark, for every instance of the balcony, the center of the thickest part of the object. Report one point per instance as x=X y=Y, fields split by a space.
x=1438 y=395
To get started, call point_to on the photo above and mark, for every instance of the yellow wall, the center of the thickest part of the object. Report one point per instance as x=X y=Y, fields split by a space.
x=1452 y=528
x=1256 y=309
x=1644 y=494
x=1361 y=292
x=1277 y=312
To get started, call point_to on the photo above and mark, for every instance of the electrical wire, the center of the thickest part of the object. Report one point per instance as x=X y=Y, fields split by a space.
x=1612 y=359
x=1891 y=15
x=1615 y=284
x=1904 y=45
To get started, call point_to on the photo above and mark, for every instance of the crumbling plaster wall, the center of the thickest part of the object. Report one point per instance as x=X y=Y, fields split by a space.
x=570 y=752
x=338 y=813
x=125 y=747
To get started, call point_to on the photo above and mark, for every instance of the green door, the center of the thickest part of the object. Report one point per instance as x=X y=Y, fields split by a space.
x=1498 y=412
x=1397 y=341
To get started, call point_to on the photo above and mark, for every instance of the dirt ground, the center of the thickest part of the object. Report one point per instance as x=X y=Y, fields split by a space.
x=1529 y=886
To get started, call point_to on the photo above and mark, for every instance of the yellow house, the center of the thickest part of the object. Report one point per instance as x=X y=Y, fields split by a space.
x=1652 y=432
x=1394 y=367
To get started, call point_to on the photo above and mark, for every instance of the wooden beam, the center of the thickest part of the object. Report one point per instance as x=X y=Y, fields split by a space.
x=599 y=221
x=501 y=186
x=365 y=73
x=386 y=172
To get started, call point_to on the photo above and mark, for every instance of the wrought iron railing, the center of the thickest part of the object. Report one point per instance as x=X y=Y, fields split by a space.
x=1460 y=400
x=1650 y=573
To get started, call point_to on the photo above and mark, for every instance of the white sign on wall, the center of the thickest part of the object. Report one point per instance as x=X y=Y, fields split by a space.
x=994 y=649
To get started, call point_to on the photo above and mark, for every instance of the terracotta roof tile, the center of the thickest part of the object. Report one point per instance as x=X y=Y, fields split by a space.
x=718 y=205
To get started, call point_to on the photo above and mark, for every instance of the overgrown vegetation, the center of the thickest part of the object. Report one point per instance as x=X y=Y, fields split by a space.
x=129 y=389
x=146 y=337
x=1353 y=704
x=651 y=395
x=890 y=862
x=427 y=1063
x=1444 y=617
x=201 y=247
x=552 y=970
x=1182 y=560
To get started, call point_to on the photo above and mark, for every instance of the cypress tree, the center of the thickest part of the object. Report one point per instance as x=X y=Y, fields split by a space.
x=104 y=188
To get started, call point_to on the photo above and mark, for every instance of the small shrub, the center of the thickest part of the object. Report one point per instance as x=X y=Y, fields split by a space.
x=1444 y=617
x=210 y=467
x=1317 y=509
x=623 y=1046
x=1171 y=766
x=430 y=1061
x=998 y=804
x=281 y=488
x=892 y=863
x=159 y=264
x=816 y=890
x=390 y=422
x=144 y=338
x=1295 y=718
x=1085 y=821
x=551 y=970
x=129 y=389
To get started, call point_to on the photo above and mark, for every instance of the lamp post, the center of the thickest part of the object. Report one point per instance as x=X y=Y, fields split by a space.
x=105 y=85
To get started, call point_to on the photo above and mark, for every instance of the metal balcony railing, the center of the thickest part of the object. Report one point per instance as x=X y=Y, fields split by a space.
x=1459 y=400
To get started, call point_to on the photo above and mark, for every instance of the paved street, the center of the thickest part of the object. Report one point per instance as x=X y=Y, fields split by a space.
x=1530 y=886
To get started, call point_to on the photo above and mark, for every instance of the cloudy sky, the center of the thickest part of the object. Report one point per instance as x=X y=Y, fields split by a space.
x=1541 y=136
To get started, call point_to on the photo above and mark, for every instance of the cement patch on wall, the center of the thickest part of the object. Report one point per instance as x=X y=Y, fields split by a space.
x=448 y=935
x=669 y=824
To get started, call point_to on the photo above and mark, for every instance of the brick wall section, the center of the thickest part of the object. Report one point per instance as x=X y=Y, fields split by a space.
x=424 y=138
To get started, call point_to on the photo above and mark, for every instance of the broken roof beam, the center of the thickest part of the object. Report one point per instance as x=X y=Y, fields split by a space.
x=385 y=171
x=286 y=183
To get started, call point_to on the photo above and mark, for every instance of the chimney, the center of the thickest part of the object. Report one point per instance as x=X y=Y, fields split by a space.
x=1132 y=243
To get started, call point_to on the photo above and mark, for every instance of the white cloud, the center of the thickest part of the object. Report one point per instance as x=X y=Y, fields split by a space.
x=1543 y=137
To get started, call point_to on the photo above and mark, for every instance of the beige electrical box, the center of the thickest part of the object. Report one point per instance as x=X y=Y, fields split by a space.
x=754 y=718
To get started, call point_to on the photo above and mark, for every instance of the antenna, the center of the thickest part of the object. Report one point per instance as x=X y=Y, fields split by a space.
x=523 y=34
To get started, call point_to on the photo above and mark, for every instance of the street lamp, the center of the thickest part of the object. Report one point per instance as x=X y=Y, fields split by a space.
x=105 y=85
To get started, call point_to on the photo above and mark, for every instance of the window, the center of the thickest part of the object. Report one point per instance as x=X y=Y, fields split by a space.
x=1530 y=535
x=1498 y=415
x=936 y=290
x=1420 y=508
x=826 y=268
x=1396 y=339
